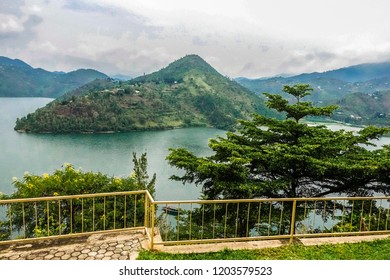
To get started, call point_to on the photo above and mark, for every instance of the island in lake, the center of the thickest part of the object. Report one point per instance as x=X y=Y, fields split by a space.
x=186 y=93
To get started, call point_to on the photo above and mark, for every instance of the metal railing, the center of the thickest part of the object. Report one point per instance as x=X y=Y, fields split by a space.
x=73 y=215
x=202 y=221
x=192 y=221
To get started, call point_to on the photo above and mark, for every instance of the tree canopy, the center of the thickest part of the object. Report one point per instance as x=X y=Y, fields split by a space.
x=36 y=220
x=267 y=157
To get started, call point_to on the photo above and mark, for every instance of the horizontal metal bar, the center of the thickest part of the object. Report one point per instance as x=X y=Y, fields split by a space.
x=221 y=240
x=34 y=199
x=333 y=234
x=269 y=200
x=54 y=198
x=274 y=237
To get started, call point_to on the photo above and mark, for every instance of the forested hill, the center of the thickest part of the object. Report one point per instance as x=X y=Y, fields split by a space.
x=362 y=91
x=18 y=79
x=188 y=92
x=365 y=108
x=331 y=86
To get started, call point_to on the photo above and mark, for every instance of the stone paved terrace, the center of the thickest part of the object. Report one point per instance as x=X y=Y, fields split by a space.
x=110 y=246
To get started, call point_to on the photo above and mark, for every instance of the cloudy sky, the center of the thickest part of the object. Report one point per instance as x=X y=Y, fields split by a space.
x=251 y=38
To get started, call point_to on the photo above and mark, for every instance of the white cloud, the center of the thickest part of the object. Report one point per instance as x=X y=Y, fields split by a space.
x=46 y=47
x=10 y=24
x=35 y=8
x=239 y=38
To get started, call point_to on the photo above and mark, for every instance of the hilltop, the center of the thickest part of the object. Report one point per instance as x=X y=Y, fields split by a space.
x=361 y=91
x=188 y=92
x=178 y=70
x=18 y=79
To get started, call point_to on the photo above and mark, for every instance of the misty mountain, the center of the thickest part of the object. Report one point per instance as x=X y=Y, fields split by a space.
x=330 y=86
x=18 y=79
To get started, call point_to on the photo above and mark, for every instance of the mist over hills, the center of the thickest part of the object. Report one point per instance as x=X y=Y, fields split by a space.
x=18 y=79
x=330 y=86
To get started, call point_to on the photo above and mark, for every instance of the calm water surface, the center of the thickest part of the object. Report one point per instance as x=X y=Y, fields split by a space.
x=108 y=153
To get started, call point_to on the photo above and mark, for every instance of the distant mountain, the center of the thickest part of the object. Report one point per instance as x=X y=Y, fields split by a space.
x=18 y=79
x=361 y=91
x=121 y=77
x=330 y=86
x=358 y=73
x=5 y=61
x=188 y=92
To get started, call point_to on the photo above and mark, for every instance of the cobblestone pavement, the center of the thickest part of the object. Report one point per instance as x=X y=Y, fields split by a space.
x=126 y=246
x=114 y=246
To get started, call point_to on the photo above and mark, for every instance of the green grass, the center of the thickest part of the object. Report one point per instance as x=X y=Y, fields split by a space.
x=374 y=250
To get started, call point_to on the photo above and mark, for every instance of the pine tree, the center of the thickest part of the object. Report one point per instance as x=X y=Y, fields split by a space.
x=268 y=157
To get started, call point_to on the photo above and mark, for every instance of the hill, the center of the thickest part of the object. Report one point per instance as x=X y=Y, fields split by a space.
x=188 y=92
x=361 y=91
x=365 y=108
x=18 y=79
x=331 y=86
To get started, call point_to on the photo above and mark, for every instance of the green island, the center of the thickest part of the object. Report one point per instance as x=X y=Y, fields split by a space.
x=188 y=92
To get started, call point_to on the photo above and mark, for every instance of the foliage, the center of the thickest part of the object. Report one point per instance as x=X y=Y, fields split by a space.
x=140 y=174
x=373 y=250
x=189 y=92
x=363 y=216
x=288 y=158
x=71 y=181
x=44 y=218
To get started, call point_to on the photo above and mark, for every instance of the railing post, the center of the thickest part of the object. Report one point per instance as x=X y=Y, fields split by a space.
x=292 y=228
x=146 y=210
x=152 y=226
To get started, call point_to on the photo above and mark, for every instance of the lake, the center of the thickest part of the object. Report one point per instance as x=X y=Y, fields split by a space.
x=107 y=153
x=110 y=154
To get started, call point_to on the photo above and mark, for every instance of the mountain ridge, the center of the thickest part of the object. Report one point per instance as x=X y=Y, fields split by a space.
x=361 y=91
x=330 y=86
x=19 y=79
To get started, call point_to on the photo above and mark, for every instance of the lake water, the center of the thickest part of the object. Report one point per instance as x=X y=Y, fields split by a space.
x=107 y=153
